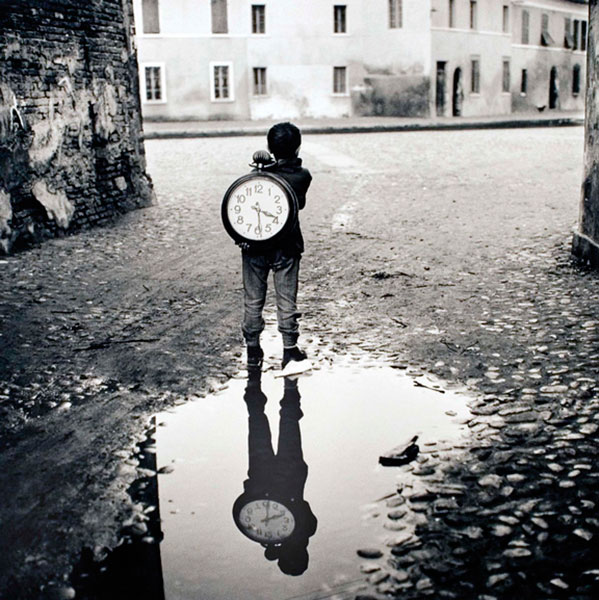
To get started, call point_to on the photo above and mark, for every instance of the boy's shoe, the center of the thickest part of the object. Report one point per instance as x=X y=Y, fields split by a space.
x=290 y=354
x=255 y=357
x=295 y=362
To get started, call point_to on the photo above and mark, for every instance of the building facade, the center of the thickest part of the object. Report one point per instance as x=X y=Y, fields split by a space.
x=496 y=57
x=223 y=59
x=240 y=59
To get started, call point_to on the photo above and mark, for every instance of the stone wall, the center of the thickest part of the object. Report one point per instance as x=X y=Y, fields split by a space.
x=71 y=155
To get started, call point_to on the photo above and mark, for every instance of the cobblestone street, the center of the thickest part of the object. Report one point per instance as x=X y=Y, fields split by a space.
x=443 y=253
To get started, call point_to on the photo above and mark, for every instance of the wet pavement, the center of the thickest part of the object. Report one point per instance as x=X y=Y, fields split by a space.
x=445 y=257
x=312 y=443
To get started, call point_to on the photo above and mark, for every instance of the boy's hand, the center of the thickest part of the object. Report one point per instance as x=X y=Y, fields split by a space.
x=243 y=245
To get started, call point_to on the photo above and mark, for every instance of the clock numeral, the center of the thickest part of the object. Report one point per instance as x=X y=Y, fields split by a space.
x=276 y=220
x=237 y=208
x=279 y=210
x=258 y=231
x=240 y=220
x=258 y=188
x=274 y=504
x=248 y=191
x=286 y=520
x=249 y=511
x=249 y=226
x=268 y=229
x=277 y=199
x=240 y=198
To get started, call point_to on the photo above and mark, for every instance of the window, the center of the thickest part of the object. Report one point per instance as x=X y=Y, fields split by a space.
x=150 y=16
x=506 y=19
x=473 y=14
x=575 y=34
x=451 y=13
x=506 y=83
x=583 y=35
x=221 y=75
x=339 y=80
x=153 y=82
x=568 y=39
x=340 y=16
x=219 y=16
x=525 y=26
x=546 y=39
x=258 y=18
x=576 y=80
x=260 y=81
x=475 y=76
x=395 y=14
x=524 y=82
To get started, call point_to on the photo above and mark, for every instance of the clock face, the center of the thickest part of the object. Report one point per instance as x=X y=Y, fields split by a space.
x=266 y=521
x=257 y=209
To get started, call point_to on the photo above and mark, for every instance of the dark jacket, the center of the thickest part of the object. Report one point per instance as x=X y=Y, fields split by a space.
x=299 y=179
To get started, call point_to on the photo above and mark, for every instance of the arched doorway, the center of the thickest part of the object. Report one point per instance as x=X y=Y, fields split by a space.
x=458 y=93
x=553 y=88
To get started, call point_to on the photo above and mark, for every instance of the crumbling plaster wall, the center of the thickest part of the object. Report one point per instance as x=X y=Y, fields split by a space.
x=71 y=152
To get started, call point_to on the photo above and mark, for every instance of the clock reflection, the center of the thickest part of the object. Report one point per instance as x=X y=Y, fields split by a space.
x=271 y=510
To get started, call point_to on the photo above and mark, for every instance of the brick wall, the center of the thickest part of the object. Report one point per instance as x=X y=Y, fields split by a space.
x=70 y=150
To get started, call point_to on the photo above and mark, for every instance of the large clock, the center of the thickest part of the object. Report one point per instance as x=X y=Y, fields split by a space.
x=259 y=208
x=264 y=520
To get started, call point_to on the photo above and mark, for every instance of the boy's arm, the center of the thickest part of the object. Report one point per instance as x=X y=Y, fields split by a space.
x=301 y=198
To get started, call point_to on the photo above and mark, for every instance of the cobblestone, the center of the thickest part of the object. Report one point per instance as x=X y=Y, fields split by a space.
x=491 y=289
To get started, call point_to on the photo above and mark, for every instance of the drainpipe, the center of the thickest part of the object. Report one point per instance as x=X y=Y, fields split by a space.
x=585 y=243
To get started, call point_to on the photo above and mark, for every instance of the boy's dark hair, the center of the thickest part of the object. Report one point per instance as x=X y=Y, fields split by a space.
x=283 y=140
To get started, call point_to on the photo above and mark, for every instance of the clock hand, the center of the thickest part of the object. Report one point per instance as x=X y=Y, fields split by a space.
x=269 y=214
x=258 y=210
x=271 y=518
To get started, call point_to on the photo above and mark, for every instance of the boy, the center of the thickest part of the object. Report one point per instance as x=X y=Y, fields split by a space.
x=283 y=259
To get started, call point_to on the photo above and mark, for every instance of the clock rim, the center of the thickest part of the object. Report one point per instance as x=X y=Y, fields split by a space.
x=241 y=502
x=292 y=202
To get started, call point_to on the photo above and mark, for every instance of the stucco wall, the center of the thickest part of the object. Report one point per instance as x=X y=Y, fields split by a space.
x=492 y=42
x=458 y=48
x=458 y=45
x=299 y=50
x=70 y=149
x=538 y=60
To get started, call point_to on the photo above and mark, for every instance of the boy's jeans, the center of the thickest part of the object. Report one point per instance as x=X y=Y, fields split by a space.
x=255 y=275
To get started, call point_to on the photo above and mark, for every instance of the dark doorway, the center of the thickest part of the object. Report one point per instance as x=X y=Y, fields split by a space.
x=553 y=88
x=441 y=82
x=458 y=93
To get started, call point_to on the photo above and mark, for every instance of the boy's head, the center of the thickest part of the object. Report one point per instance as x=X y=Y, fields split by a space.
x=284 y=140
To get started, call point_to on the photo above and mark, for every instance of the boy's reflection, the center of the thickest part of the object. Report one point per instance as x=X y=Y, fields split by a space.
x=272 y=510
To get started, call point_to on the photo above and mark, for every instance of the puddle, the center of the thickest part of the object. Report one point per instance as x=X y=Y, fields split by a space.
x=313 y=495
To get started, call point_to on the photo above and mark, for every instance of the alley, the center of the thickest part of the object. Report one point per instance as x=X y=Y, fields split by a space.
x=444 y=253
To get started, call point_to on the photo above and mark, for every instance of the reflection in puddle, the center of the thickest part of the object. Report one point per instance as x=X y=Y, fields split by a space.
x=272 y=510
x=217 y=454
x=352 y=415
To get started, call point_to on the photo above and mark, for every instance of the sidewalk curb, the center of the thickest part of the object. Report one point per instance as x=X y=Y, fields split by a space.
x=331 y=129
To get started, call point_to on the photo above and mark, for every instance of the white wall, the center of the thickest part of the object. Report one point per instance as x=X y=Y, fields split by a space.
x=299 y=50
